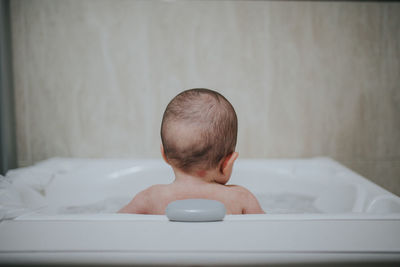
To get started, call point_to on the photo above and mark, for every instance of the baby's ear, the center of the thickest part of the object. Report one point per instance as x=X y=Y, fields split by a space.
x=229 y=160
x=163 y=153
x=227 y=166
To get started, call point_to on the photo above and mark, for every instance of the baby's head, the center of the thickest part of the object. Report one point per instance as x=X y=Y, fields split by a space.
x=198 y=130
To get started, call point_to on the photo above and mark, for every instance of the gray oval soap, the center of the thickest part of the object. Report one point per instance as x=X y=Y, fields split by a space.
x=195 y=210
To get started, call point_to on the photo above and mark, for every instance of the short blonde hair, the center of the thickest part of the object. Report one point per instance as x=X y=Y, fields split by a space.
x=198 y=129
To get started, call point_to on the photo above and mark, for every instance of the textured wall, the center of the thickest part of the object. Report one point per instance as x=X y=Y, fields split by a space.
x=307 y=79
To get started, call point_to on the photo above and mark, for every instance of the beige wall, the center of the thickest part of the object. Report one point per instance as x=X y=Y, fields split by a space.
x=307 y=78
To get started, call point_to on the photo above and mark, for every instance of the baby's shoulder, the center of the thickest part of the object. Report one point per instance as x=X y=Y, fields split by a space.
x=239 y=193
x=148 y=200
x=237 y=189
x=248 y=200
x=154 y=190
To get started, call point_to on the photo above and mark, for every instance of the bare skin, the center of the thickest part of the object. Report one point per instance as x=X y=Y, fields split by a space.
x=208 y=184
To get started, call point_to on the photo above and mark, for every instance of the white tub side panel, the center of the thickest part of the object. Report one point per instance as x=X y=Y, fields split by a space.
x=227 y=236
x=202 y=243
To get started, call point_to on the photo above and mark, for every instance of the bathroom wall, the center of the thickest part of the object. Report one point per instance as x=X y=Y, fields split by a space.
x=307 y=79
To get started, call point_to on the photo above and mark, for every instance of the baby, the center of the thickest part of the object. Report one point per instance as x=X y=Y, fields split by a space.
x=198 y=133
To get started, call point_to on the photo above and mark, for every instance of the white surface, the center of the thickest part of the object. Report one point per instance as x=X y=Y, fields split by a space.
x=317 y=211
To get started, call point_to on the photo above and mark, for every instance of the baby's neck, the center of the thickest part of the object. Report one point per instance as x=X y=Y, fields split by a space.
x=181 y=177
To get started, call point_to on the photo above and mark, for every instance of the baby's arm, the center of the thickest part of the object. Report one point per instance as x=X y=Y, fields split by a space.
x=251 y=205
x=137 y=204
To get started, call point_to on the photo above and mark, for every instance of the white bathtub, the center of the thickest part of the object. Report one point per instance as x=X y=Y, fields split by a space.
x=63 y=211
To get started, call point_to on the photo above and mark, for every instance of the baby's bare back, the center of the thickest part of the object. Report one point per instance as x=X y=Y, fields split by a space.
x=154 y=200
